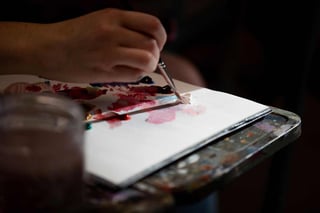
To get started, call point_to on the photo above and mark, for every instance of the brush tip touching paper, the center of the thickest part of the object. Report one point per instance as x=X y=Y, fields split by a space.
x=163 y=70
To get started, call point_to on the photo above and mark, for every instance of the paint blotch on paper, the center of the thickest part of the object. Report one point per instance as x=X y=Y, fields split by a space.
x=128 y=102
x=162 y=116
x=169 y=114
x=117 y=120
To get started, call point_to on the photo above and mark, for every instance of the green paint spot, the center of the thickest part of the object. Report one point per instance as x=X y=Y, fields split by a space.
x=88 y=126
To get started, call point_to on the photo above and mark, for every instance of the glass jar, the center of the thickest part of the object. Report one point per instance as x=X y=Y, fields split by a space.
x=41 y=153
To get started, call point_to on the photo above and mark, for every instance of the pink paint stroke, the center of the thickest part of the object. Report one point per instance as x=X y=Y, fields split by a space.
x=117 y=120
x=169 y=114
x=162 y=116
x=113 y=123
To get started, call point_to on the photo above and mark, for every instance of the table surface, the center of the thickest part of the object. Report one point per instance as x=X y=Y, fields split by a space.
x=200 y=173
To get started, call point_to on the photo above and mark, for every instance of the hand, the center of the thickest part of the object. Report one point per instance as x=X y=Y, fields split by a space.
x=103 y=46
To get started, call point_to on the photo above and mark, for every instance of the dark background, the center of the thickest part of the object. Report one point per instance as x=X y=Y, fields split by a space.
x=267 y=51
x=264 y=50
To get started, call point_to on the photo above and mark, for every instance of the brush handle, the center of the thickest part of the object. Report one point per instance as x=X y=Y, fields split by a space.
x=163 y=70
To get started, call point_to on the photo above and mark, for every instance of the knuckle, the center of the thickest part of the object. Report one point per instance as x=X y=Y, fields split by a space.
x=149 y=62
x=156 y=27
x=112 y=11
x=105 y=29
x=155 y=23
x=152 y=45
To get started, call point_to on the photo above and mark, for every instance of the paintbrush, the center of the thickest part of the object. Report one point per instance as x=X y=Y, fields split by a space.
x=163 y=71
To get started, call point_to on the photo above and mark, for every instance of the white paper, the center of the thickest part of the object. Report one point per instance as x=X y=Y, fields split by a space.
x=126 y=153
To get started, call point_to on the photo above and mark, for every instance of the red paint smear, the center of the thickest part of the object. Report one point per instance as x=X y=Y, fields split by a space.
x=65 y=86
x=59 y=87
x=98 y=115
x=150 y=90
x=83 y=93
x=33 y=88
x=114 y=123
x=162 y=116
x=56 y=87
x=117 y=121
x=98 y=111
x=130 y=102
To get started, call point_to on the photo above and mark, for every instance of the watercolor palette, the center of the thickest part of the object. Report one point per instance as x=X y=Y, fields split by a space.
x=100 y=101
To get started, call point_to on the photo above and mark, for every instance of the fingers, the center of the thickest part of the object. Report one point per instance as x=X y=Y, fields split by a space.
x=124 y=74
x=129 y=65
x=137 y=59
x=110 y=45
x=119 y=73
x=146 y=24
x=134 y=39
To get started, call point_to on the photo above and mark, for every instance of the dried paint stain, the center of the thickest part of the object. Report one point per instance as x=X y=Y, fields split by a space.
x=130 y=101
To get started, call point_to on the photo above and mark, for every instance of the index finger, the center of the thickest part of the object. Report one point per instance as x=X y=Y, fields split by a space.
x=146 y=24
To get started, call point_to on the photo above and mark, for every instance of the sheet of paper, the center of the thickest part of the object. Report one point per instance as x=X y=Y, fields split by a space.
x=122 y=152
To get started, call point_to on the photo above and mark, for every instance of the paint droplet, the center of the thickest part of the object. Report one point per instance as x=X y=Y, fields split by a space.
x=165 y=90
x=146 y=80
x=116 y=121
x=230 y=158
x=193 y=158
x=243 y=141
x=250 y=134
x=205 y=177
x=206 y=167
x=33 y=88
x=167 y=187
x=88 y=126
x=182 y=171
x=124 y=117
x=182 y=164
